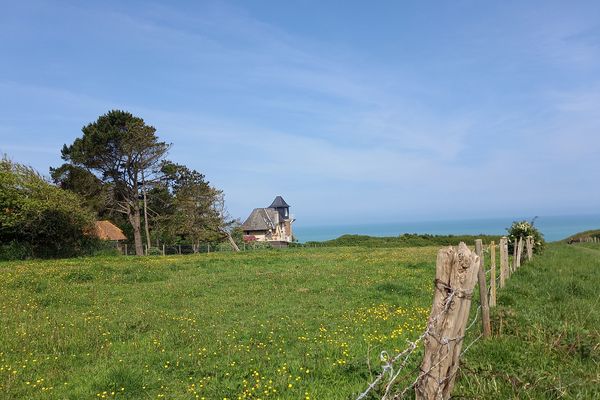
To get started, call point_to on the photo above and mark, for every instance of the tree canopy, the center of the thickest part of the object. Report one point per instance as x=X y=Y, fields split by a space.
x=118 y=165
x=122 y=151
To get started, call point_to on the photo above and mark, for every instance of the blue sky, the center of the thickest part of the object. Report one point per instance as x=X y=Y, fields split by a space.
x=355 y=112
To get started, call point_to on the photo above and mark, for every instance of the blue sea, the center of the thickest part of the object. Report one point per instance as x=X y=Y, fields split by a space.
x=553 y=227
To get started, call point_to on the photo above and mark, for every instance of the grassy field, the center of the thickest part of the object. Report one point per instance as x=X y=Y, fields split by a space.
x=281 y=324
x=290 y=324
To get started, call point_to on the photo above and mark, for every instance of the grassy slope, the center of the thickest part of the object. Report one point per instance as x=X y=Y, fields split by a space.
x=229 y=325
x=584 y=235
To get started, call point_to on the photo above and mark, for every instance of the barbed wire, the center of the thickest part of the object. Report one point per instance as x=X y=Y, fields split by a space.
x=388 y=369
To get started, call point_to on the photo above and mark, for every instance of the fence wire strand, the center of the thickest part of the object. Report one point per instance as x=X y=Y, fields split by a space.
x=393 y=372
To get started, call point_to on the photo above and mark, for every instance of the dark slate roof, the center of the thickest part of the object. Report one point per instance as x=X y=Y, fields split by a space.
x=261 y=219
x=279 y=202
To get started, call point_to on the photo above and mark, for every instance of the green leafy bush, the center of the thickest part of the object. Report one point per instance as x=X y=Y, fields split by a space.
x=523 y=229
x=38 y=219
x=255 y=245
x=154 y=251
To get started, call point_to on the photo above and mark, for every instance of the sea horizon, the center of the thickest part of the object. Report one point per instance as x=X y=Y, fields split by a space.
x=553 y=228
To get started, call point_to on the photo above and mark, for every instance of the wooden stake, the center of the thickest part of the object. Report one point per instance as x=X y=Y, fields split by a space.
x=483 y=296
x=519 y=251
x=163 y=249
x=514 y=262
x=503 y=261
x=493 y=275
x=529 y=244
x=456 y=271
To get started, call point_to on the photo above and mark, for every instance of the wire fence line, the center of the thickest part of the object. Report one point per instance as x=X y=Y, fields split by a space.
x=165 y=249
x=435 y=381
x=388 y=367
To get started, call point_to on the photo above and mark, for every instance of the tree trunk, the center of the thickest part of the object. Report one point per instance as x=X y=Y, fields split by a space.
x=134 y=219
x=234 y=246
x=147 y=229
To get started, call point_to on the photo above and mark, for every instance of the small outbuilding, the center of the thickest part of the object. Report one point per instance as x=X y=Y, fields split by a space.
x=106 y=230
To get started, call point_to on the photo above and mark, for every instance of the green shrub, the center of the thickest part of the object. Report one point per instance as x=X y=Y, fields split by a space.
x=39 y=219
x=15 y=251
x=255 y=245
x=154 y=251
x=523 y=229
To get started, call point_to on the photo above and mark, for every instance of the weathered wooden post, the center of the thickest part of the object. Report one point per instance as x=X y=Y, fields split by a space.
x=529 y=248
x=456 y=274
x=519 y=251
x=179 y=249
x=493 y=274
x=208 y=248
x=514 y=262
x=503 y=260
x=163 y=251
x=483 y=296
x=126 y=253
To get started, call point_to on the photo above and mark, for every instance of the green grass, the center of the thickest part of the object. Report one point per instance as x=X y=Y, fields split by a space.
x=294 y=323
x=290 y=324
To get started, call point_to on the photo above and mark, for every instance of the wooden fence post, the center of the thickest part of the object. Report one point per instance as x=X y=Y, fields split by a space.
x=503 y=260
x=483 y=296
x=208 y=248
x=493 y=274
x=514 y=262
x=126 y=250
x=519 y=251
x=456 y=272
x=529 y=244
x=163 y=249
x=179 y=249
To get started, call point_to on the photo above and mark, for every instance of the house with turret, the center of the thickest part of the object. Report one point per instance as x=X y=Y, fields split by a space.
x=270 y=224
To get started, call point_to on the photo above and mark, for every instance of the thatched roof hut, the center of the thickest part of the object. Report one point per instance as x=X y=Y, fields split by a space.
x=106 y=230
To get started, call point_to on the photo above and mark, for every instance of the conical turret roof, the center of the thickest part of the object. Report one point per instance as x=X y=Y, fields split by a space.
x=279 y=202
